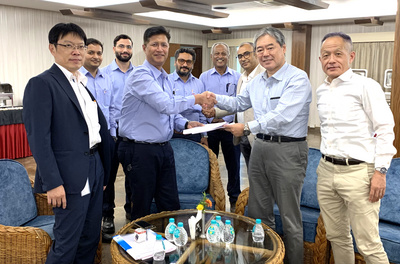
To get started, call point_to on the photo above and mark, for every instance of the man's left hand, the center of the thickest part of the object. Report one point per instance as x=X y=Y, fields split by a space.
x=193 y=124
x=378 y=187
x=235 y=129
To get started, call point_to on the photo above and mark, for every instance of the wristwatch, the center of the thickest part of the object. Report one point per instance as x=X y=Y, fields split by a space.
x=246 y=130
x=382 y=170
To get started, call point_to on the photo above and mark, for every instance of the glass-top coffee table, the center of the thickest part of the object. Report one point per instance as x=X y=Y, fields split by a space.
x=242 y=250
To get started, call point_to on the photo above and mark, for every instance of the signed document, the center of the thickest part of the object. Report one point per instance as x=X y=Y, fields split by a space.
x=205 y=128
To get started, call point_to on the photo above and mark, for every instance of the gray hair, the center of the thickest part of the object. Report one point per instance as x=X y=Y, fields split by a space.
x=346 y=38
x=220 y=43
x=246 y=43
x=273 y=32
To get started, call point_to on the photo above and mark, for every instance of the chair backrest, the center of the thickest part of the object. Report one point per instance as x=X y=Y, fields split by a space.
x=192 y=166
x=309 y=191
x=390 y=204
x=17 y=202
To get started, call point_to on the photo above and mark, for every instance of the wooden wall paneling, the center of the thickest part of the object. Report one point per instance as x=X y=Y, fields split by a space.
x=301 y=48
x=395 y=94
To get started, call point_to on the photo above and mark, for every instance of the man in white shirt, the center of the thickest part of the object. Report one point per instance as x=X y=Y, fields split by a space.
x=357 y=148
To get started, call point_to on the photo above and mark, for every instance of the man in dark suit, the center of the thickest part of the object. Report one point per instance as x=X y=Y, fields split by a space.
x=68 y=134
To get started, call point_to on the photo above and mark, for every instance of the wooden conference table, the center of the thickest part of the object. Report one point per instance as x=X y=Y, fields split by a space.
x=242 y=250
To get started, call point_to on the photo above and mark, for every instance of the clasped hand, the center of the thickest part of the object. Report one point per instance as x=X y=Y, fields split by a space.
x=207 y=100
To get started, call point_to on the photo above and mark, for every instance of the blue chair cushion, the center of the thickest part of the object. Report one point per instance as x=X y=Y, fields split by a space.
x=17 y=201
x=390 y=210
x=309 y=191
x=390 y=237
x=187 y=201
x=192 y=166
x=45 y=222
x=310 y=222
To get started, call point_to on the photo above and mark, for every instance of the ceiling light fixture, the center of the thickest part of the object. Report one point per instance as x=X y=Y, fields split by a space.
x=217 y=31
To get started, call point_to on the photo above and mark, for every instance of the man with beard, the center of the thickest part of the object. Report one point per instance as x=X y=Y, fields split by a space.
x=99 y=83
x=185 y=84
x=119 y=71
x=223 y=80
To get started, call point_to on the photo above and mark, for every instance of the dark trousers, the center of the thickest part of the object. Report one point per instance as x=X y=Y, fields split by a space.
x=232 y=159
x=151 y=172
x=194 y=137
x=245 y=148
x=109 y=192
x=77 y=228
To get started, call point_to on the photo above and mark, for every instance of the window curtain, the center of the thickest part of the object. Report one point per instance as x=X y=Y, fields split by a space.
x=375 y=57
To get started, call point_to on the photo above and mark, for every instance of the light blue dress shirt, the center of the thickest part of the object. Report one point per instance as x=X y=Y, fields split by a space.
x=150 y=111
x=225 y=84
x=281 y=102
x=190 y=87
x=101 y=88
x=118 y=79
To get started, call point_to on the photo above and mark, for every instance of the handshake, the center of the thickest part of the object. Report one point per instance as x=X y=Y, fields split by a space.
x=207 y=100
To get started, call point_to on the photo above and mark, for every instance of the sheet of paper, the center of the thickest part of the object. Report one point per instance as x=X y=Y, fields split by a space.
x=143 y=250
x=205 y=128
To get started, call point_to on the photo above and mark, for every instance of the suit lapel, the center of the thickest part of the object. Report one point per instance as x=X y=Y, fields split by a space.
x=60 y=78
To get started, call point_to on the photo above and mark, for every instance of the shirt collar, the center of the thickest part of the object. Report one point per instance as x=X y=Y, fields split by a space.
x=81 y=78
x=227 y=71
x=114 y=66
x=87 y=73
x=176 y=77
x=252 y=74
x=156 y=72
x=279 y=75
x=346 y=76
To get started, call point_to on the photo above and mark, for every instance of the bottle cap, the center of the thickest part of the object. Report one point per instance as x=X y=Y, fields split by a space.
x=158 y=237
x=228 y=222
x=258 y=221
x=213 y=222
x=172 y=220
x=218 y=217
x=180 y=224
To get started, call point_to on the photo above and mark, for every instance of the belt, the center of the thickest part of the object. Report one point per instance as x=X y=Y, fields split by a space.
x=279 y=138
x=93 y=150
x=143 y=142
x=343 y=161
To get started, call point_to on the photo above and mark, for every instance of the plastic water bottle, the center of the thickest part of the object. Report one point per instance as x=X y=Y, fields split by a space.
x=159 y=249
x=221 y=226
x=180 y=235
x=229 y=232
x=169 y=230
x=258 y=232
x=213 y=234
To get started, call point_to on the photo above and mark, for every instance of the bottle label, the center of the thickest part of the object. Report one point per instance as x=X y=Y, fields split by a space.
x=254 y=228
x=171 y=229
x=231 y=230
x=211 y=230
x=177 y=233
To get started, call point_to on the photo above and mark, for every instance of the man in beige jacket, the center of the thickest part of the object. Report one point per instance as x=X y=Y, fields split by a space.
x=252 y=68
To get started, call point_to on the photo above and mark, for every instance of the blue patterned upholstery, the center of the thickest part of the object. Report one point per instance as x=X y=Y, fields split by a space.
x=18 y=205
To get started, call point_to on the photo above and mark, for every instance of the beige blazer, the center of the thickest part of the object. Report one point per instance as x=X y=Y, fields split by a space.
x=249 y=113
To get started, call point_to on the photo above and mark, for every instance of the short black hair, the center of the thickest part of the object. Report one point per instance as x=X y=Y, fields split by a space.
x=94 y=41
x=62 y=29
x=121 y=36
x=152 y=31
x=185 y=50
x=346 y=38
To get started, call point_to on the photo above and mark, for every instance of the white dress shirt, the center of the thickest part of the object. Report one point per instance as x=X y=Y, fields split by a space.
x=356 y=121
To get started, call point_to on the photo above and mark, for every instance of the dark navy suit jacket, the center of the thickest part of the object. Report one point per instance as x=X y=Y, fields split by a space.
x=58 y=134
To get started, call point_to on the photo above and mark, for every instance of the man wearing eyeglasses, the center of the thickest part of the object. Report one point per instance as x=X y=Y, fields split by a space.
x=185 y=84
x=68 y=136
x=252 y=68
x=223 y=80
x=118 y=70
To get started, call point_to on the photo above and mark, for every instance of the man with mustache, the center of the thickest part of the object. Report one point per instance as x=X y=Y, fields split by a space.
x=118 y=70
x=99 y=83
x=223 y=80
x=186 y=84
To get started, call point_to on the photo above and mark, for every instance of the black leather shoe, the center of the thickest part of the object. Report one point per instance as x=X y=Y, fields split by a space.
x=108 y=225
x=106 y=238
x=233 y=207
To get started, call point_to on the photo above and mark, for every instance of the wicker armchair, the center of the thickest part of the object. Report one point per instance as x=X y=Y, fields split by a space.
x=314 y=253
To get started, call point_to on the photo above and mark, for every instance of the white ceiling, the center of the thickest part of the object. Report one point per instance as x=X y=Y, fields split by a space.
x=242 y=13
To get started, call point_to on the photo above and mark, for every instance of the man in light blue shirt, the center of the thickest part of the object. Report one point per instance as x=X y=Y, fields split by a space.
x=280 y=98
x=185 y=84
x=149 y=115
x=223 y=80
x=118 y=70
x=99 y=83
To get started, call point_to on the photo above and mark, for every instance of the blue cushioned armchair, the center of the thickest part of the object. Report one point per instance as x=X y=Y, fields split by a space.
x=25 y=236
x=197 y=171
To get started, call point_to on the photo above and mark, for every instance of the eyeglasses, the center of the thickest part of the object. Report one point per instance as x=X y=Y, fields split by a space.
x=188 y=62
x=122 y=46
x=244 y=55
x=79 y=47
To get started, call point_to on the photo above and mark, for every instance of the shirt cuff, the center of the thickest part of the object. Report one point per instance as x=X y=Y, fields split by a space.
x=113 y=132
x=254 y=126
